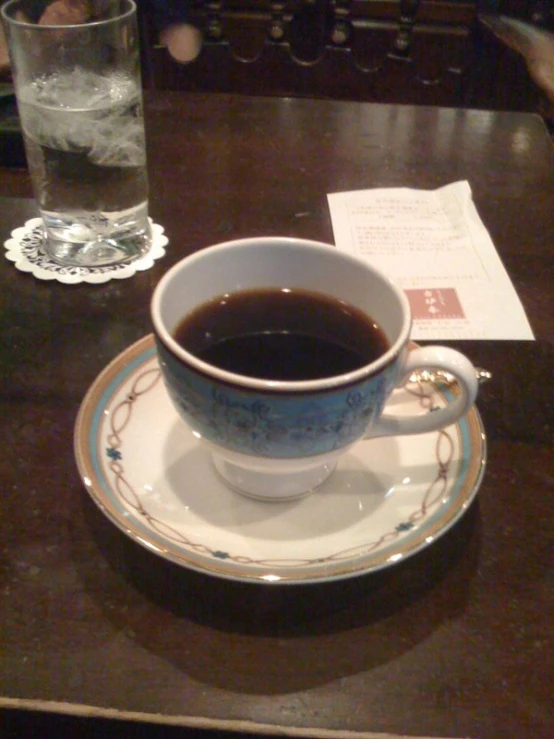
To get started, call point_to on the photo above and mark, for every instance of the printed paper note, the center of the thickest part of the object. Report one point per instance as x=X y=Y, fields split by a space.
x=434 y=245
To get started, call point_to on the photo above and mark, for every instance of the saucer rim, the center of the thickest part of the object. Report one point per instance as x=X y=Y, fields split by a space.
x=140 y=353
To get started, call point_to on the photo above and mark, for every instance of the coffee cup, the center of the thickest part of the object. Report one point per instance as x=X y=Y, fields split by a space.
x=276 y=430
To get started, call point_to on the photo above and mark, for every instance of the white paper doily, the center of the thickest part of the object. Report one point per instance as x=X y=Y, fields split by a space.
x=24 y=249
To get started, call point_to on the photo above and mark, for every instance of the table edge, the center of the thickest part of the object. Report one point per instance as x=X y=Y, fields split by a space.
x=82 y=710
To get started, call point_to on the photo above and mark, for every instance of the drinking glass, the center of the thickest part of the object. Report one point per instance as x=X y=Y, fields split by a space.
x=79 y=95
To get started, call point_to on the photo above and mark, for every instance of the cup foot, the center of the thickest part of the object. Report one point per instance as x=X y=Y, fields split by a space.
x=278 y=486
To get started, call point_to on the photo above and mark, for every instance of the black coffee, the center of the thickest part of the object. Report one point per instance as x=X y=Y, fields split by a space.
x=278 y=334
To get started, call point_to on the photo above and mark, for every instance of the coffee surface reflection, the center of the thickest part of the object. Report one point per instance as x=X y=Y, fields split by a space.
x=282 y=334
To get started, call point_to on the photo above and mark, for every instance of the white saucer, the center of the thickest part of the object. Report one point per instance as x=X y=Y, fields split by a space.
x=387 y=499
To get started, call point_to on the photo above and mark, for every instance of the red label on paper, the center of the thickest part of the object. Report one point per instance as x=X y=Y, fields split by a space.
x=435 y=303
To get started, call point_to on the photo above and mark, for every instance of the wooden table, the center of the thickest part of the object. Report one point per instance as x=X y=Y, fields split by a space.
x=453 y=642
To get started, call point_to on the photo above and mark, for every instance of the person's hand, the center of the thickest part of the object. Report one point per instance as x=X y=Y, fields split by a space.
x=4 y=56
x=534 y=44
x=183 y=41
x=65 y=13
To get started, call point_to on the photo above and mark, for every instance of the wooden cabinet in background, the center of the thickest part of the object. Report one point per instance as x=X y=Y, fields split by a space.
x=429 y=52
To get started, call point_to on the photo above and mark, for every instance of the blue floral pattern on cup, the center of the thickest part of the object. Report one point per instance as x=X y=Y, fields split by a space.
x=272 y=424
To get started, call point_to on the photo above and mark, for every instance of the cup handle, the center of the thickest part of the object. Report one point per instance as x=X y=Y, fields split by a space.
x=432 y=358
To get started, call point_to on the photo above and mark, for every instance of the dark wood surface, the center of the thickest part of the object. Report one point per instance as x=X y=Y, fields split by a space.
x=453 y=642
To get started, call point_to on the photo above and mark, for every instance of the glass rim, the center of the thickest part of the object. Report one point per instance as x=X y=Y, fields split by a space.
x=11 y=4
